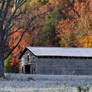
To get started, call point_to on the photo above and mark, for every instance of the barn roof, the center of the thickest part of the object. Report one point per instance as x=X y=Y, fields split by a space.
x=59 y=51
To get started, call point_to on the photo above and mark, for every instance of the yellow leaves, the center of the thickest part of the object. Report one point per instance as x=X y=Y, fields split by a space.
x=13 y=8
x=0 y=5
x=24 y=6
x=35 y=4
x=87 y=41
x=32 y=5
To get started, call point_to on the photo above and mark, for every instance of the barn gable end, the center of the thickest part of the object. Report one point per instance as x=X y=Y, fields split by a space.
x=27 y=62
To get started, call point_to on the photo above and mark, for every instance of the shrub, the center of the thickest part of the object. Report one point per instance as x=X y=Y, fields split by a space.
x=7 y=66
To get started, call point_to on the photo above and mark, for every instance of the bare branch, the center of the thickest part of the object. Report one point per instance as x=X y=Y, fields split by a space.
x=2 y=6
x=72 y=6
x=11 y=17
x=6 y=8
x=20 y=13
x=11 y=33
x=11 y=26
x=18 y=3
x=9 y=22
x=15 y=45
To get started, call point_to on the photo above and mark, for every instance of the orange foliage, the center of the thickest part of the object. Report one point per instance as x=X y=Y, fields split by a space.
x=74 y=28
x=14 y=39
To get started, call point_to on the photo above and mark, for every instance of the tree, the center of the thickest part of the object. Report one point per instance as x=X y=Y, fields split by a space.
x=31 y=19
x=6 y=18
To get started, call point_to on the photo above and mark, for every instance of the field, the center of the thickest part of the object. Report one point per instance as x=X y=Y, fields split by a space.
x=43 y=83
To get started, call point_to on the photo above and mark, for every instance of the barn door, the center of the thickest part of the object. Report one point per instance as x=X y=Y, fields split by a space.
x=33 y=65
x=32 y=68
x=27 y=69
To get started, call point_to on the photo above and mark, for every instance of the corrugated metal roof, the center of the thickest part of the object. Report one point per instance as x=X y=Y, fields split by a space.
x=59 y=51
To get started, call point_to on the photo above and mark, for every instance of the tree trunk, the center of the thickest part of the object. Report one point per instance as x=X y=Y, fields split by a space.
x=1 y=66
x=1 y=52
x=1 y=60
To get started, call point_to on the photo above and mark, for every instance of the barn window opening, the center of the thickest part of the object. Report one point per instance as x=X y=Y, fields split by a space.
x=28 y=58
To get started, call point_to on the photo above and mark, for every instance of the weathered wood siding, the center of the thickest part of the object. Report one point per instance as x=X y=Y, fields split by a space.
x=25 y=61
x=64 y=66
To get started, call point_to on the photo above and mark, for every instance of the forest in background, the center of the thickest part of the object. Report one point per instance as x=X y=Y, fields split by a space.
x=57 y=23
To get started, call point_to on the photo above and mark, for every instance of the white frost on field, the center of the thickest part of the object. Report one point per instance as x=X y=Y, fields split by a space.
x=48 y=77
x=67 y=89
x=37 y=83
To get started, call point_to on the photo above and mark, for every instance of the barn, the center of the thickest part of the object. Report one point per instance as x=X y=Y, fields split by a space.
x=56 y=60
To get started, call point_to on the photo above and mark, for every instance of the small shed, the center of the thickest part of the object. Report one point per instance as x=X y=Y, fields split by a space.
x=56 y=60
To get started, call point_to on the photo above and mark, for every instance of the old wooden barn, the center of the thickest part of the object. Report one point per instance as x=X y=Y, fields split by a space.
x=56 y=60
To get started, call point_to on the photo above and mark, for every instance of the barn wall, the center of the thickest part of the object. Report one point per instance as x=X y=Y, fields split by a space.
x=64 y=66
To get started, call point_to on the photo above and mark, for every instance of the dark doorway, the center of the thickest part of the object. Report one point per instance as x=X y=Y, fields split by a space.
x=27 y=69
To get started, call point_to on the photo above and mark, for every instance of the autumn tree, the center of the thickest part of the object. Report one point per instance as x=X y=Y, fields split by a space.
x=31 y=19
x=6 y=18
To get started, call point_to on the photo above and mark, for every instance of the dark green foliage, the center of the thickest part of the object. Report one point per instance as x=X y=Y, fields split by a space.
x=52 y=18
x=48 y=32
x=8 y=68
x=43 y=1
